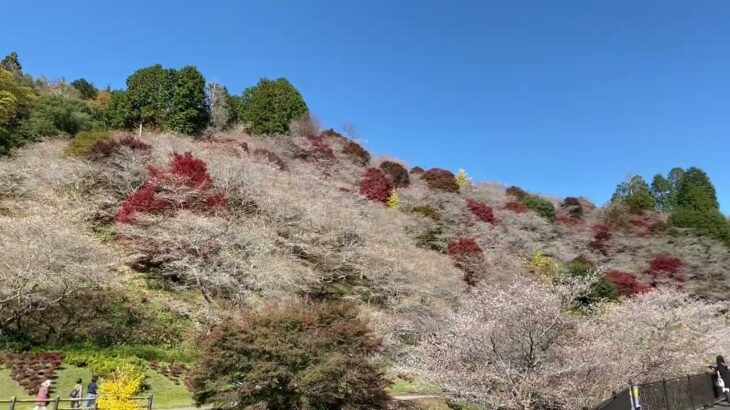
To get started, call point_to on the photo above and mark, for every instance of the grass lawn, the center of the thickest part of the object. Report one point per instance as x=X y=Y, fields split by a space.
x=166 y=393
x=401 y=386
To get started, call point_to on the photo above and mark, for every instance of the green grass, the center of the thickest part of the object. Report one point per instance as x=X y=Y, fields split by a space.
x=402 y=386
x=166 y=393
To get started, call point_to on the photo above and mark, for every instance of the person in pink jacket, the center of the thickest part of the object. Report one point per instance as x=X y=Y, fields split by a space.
x=41 y=400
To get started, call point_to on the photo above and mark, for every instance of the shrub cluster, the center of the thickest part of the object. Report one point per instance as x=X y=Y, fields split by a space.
x=397 y=173
x=270 y=158
x=572 y=206
x=428 y=211
x=601 y=234
x=292 y=357
x=375 y=186
x=86 y=141
x=516 y=192
x=482 y=211
x=468 y=256
x=356 y=153
x=542 y=206
x=627 y=283
x=29 y=370
x=440 y=179
x=665 y=264
x=105 y=149
x=416 y=170
x=545 y=267
x=318 y=150
x=515 y=207
x=185 y=185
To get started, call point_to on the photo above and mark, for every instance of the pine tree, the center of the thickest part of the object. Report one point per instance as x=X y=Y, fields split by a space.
x=696 y=191
x=12 y=64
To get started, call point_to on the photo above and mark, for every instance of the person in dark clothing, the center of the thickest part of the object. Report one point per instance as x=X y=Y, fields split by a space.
x=91 y=393
x=723 y=373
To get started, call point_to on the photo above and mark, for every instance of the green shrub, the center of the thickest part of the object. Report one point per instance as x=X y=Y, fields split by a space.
x=53 y=115
x=542 y=206
x=707 y=223
x=87 y=90
x=299 y=355
x=271 y=105
x=84 y=142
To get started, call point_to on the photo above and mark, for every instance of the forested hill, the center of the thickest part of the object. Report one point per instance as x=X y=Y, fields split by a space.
x=171 y=225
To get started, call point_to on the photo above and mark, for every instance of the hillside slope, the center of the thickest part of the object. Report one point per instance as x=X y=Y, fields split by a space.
x=157 y=246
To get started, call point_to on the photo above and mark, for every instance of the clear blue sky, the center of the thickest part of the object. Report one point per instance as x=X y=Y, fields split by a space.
x=559 y=97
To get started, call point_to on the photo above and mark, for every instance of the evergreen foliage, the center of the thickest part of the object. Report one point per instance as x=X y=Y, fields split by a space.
x=53 y=115
x=87 y=90
x=268 y=107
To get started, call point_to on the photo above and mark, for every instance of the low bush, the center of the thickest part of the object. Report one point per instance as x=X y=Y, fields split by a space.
x=84 y=142
x=568 y=220
x=416 y=170
x=356 y=153
x=580 y=267
x=482 y=211
x=542 y=206
x=572 y=206
x=318 y=150
x=546 y=268
x=440 y=179
x=271 y=158
x=515 y=207
x=516 y=192
x=375 y=186
x=134 y=143
x=185 y=185
x=393 y=201
x=626 y=283
x=292 y=356
x=397 y=173
x=428 y=211
x=601 y=232
x=468 y=256
x=665 y=264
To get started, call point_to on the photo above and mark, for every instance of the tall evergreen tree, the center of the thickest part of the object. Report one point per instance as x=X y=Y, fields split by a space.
x=187 y=111
x=696 y=191
x=661 y=189
x=87 y=90
x=268 y=107
x=149 y=92
x=12 y=64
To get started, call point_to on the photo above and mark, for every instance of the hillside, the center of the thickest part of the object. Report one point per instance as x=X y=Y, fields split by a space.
x=231 y=260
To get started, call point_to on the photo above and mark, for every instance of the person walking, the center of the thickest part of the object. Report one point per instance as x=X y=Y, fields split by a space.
x=91 y=393
x=44 y=393
x=723 y=376
x=76 y=394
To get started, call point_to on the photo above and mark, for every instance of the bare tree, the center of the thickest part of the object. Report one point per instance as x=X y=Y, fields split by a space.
x=218 y=107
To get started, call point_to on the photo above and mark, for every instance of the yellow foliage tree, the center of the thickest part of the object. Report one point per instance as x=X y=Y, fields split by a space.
x=462 y=179
x=116 y=391
x=393 y=201
x=545 y=267
x=102 y=100
x=15 y=97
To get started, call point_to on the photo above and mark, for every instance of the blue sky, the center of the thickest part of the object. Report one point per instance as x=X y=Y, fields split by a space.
x=559 y=97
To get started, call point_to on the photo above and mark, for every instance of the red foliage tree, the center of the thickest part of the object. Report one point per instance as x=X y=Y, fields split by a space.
x=515 y=207
x=665 y=264
x=440 y=179
x=627 y=283
x=640 y=223
x=375 y=185
x=319 y=149
x=482 y=211
x=358 y=154
x=187 y=177
x=397 y=173
x=463 y=248
x=601 y=232
x=467 y=256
